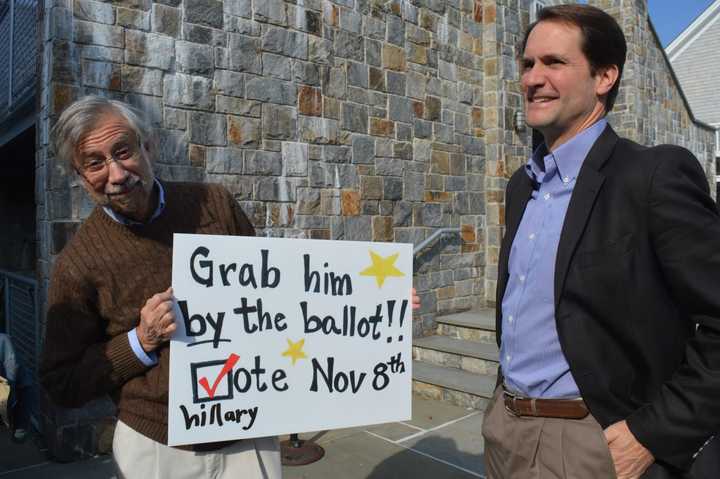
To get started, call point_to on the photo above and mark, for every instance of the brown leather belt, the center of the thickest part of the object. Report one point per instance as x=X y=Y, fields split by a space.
x=557 y=408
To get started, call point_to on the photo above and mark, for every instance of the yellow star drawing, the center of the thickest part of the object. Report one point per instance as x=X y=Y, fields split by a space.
x=381 y=268
x=295 y=351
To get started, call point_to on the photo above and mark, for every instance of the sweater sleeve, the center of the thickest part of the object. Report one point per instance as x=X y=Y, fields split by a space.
x=80 y=362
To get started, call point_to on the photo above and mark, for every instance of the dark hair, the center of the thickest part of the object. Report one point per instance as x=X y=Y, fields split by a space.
x=603 y=41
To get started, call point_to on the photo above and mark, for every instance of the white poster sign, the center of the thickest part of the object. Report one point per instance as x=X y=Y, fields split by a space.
x=279 y=336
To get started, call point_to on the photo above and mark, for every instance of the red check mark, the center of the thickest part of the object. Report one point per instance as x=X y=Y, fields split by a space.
x=229 y=364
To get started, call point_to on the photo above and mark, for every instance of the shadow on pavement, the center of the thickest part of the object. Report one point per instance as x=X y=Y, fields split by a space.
x=450 y=463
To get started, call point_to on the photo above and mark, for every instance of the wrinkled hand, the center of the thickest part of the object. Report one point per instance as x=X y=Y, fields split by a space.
x=157 y=321
x=631 y=459
x=415 y=300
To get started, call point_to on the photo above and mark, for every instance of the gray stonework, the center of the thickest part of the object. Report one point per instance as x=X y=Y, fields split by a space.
x=339 y=119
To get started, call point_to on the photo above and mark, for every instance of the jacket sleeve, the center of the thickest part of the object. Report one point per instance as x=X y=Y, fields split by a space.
x=685 y=232
x=79 y=362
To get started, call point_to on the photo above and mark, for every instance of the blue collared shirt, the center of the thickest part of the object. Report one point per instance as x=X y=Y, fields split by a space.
x=530 y=354
x=148 y=359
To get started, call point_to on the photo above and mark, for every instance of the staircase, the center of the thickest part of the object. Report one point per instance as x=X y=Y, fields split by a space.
x=458 y=364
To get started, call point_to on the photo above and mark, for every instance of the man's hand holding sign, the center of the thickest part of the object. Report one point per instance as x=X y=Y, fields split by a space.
x=269 y=329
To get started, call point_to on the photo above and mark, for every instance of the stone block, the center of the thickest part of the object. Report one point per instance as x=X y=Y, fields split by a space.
x=187 y=91
x=194 y=58
x=351 y=21
x=208 y=129
x=331 y=108
x=382 y=228
x=101 y=75
x=204 y=12
x=308 y=201
x=271 y=11
x=275 y=189
x=245 y=54
x=377 y=79
x=295 y=158
x=363 y=149
x=392 y=188
x=396 y=83
x=224 y=160
x=229 y=83
x=286 y=42
x=335 y=82
x=149 y=50
x=279 y=122
x=175 y=119
x=98 y=34
x=271 y=90
x=393 y=58
x=358 y=228
x=276 y=66
x=395 y=30
x=373 y=53
x=92 y=11
x=103 y=54
x=371 y=187
x=381 y=127
x=309 y=101
x=142 y=80
x=239 y=8
x=401 y=109
x=238 y=106
x=305 y=72
x=402 y=214
x=243 y=132
x=172 y=145
x=242 y=26
x=389 y=167
x=135 y=19
x=166 y=20
x=320 y=50
x=357 y=74
x=349 y=45
x=318 y=130
x=336 y=154
x=433 y=107
x=355 y=117
x=414 y=186
x=263 y=163
x=61 y=23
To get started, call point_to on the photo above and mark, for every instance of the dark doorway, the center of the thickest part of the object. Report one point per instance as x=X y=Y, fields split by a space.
x=17 y=204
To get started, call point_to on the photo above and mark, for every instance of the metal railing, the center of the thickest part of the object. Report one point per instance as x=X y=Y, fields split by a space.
x=18 y=52
x=432 y=238
x=19 y=296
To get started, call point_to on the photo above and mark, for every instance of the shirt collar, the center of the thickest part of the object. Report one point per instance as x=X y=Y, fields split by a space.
x=129 y=222
x=567 y=159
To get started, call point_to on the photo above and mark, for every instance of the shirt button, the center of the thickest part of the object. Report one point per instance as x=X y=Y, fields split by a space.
x=507 y=357
x=532 y=236
x=522 y=278
x=547 y=196
x=566 y=180
x=510 y=319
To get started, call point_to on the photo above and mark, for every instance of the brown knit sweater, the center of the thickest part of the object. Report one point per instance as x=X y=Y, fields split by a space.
x=100 y=282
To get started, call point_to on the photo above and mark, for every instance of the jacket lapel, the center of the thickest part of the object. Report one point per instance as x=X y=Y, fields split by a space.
x=587 y=187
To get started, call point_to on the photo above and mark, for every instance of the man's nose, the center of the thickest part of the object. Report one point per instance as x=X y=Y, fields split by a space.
x=533 y=76
x=117 y=175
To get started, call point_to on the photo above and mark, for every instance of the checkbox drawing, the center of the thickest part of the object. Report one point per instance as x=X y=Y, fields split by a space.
x=211 y=372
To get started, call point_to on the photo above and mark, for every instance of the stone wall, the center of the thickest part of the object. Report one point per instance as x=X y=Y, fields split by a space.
x=344 y=119
x=650 y=108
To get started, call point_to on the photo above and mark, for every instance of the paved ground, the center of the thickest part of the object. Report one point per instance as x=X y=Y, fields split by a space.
x=440 y=442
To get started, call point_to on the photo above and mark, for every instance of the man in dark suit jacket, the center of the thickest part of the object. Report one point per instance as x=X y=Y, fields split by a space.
x=608 y=296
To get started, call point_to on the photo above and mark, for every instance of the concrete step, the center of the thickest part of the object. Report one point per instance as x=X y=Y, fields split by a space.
x=452 y=385
x=474 y=325
x=471 y=356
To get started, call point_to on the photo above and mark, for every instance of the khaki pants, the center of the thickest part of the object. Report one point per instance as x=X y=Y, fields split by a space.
x=543 y=448
x=137 y=456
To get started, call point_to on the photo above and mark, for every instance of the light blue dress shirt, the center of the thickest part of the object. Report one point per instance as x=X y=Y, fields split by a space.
x=531 y=358
x=148 y=359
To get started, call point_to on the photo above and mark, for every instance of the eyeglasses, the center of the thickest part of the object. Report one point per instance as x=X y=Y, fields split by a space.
x=97 y=165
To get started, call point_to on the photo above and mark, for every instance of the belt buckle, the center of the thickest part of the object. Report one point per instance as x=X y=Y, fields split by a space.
x=513 y=398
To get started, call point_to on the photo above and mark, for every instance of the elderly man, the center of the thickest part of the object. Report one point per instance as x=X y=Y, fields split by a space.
x=110 y=307
x=607 y=311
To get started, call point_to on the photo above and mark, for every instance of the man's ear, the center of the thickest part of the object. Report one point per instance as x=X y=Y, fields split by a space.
x=605 y=78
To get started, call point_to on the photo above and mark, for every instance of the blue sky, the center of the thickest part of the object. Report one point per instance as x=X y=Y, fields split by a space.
x=671 y=17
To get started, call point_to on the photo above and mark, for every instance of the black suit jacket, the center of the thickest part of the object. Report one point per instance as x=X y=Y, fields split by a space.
x=637 y=292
